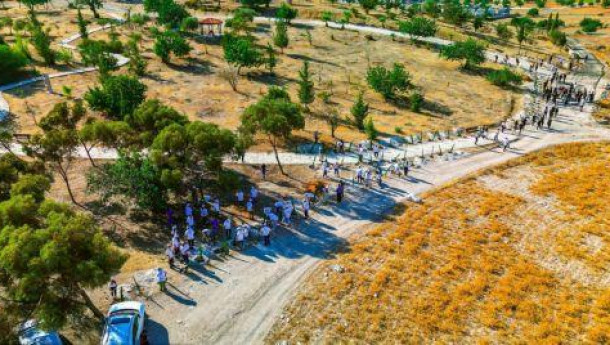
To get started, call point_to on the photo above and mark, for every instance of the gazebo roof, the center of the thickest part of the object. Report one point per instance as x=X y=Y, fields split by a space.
x=210 y=21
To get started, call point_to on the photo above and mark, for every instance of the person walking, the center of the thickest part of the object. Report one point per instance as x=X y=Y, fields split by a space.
x=254 y=194
x=112 y=286
x=190 y=235
x=161 y=279
x=250 y=208
x=266 y=233
x=340 y=191
x=240 y=197
x=170 y=253
x=306 y=207
x=227 y=226
x=264 y=171
x=184 y=253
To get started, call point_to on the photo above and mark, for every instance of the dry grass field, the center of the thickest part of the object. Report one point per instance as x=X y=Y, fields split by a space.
x=338 y=59
x=515 y=254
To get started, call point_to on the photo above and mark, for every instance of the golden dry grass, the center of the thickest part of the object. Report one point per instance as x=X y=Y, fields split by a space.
x=516 y=254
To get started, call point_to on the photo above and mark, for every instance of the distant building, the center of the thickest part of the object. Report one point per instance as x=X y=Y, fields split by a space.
x=492 y=12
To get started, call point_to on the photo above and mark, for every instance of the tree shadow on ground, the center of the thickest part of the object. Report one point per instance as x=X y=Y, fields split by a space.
x=270 y=79
x=195 y=66
x=310 y=59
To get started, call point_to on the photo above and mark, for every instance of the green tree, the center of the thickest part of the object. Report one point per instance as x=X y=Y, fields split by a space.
x=360 y=111
x=271 y=60
x=255 y=3
x=150 y=118
x=170 y=42
x=56 y=145
x=558 y=38
x=133 y=179
x=31 y=184
x=477 y=22
x=326 y=16
x=388 y=82
x=286 y=13
x=533 y=12
x=96 y=53
x=30 y=4
x=525 y=27
x=137 y=64
x=280 y=38
x=470 y=51
x=96 y=133
x=48 y=260
x=242 y=20
x=454 y=13
x=274 y=116
x=416 y=100
x=189 y=24
x=169 y=12
x=12 y=64
x=117 y=97
x=418 y=27
x=368 y=5
x=370 y=129
x=93 y=5
x=82 y=25
x=431 y=8
x=306 y=90
x=590 y=25
x=241 y=52
x=504 y=32
x=41 y=41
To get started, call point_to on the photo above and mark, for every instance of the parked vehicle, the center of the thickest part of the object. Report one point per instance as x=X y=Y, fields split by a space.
x=30 y=334
x=125 y=324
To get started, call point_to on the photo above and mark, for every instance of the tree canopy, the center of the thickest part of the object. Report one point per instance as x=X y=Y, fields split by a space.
x=241 y=52
x=388 y=82
x=470 y=51
x=117 y=97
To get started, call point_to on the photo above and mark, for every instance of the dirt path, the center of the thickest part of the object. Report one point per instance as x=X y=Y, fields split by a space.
x=238 y=301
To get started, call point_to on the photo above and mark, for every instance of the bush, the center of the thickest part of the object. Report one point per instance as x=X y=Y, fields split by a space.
x=168 y=42
x=590 y=25
x=169 y=12
x=558 y=38
x=504 y=78
x=503 y=31
x=189 y=24
x=286 y=13
x=12 y=64
x=359 y=111
x=388 y=82
x=118 y=96
x=416 y=100
x=533 y=12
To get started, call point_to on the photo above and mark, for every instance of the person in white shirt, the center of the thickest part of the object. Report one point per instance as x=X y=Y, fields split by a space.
x=169 y=252
x=287 y=216
x=161 y=279
x=190 y=221
x=240 y=197
x=176 y=243
x=216 y=206
x=278 y=206
x=184 y=252
x=203 y=213
x=266 y=233
x=188 y=210
x=274 y=219
x=227 y=226
x=239 y=238
x=190 y=235
x=250 y=208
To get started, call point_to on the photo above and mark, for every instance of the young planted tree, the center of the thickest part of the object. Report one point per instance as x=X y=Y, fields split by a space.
x=360 y=111
x=93 y=5
x=332 y=118
x=418 y=27
x=477 y=22
x=326 y=16
x=370 y=129
x=525 y=27
x=286 y=13
x=271 y=60
x=12 y=64
x=388 y=82
x=117 y=97
x=137 y=64
x=368 y=5
x=170 y=42
x=241 y=52
x=470 y=51
x=150 y=118
x=241 y=21
x=306 y=90
x=274 y=116
x=280 y=38
x=169 y=12
x=431 y=8
x=41 y=41
x=454 y=13
x=504 y=32
x=590 y=25
x=82 y=25
x=96 y=53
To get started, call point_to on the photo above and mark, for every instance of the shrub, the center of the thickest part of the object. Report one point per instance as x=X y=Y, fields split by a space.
x=12 y=64
x=370 y=130
x=558 y=38
x=286 y=13
x=118 y=96
x=504 y=78
x=503 y=31
x=533 y=12
x=416 y=100
x=388 y=82
x=590 y=25
x=359 y=111
x=189 y=24
x=170 y=42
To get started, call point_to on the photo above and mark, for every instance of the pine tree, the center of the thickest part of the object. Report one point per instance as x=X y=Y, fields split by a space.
x=82 y=25
x=359 y=111
x=280 y=39
x=306 y=91
x=271 y=58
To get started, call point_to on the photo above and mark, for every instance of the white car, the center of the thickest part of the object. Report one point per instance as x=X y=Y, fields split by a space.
x=125 y=324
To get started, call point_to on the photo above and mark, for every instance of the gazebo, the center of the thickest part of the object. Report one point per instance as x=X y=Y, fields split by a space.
x=210 y=26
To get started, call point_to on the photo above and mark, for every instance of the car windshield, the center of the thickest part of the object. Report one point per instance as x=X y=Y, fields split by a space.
x=119 y=320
